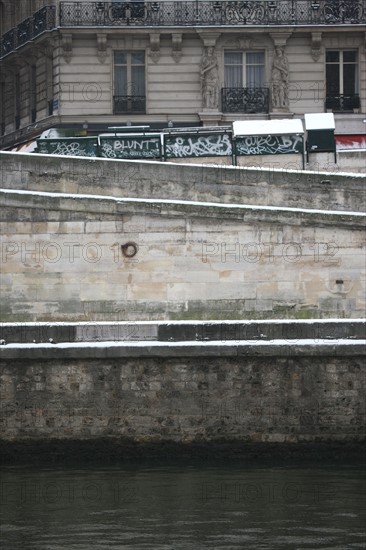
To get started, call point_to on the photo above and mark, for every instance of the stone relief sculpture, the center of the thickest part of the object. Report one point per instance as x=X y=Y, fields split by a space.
x=280 y=80
x=210 y=80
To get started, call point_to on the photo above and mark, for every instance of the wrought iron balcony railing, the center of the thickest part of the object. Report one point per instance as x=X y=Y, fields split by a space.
x=342 y=102
x=245 y=100
x=125 y=104
x=41 y=21
x=185 y=13
x=211 y=13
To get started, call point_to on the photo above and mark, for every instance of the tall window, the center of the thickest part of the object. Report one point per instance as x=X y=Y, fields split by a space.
x=7 y=15
x=244 y=69
x=2 y=108
x=33 y=93
x=244 y=77
x=49 y=86
x=342 y=80
x=129 y=82
x=17 y=101
x=3 y=21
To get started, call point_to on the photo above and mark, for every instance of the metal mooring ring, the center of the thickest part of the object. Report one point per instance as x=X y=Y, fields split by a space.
x=126 y=249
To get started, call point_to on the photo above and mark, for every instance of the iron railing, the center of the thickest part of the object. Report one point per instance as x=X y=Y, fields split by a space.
x=342 y=102
x=187 y=13
x=245 y=100
x=41 y=21
x=211 y=13
x=123 y=104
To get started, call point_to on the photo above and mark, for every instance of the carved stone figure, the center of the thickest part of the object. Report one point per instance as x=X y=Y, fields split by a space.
x=210 y=80
x=280 y=80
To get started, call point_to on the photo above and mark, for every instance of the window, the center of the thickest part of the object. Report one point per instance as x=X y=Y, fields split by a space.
x=3 y=21
x=129 y=82
x=17 y=100
x=244 y=77
x=2 y=108
x=342 y=80
x=33 y=93
x=244 y=69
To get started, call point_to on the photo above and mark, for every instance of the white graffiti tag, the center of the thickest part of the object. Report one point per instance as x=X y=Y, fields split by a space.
x=130 y=148
x=268 y=145
x=200 y=146
x=73 y=148
x=108 y=151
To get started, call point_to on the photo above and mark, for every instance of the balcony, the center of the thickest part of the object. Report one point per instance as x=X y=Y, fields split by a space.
x=245 y=100
x=127 y=104
x=189 y=13
x=41 y=21
x=211 y=13
x=342 y=103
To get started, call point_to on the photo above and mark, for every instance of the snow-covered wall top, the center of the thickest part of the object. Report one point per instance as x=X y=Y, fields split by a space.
x=268 y=127
x=213 y=182
x=319 y=121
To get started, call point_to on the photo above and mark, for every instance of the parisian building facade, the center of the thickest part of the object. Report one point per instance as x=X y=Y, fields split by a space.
x=90 y=66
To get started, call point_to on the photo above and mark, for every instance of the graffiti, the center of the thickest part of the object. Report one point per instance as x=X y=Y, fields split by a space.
x=175 y=146
x=73 y=148
x=197 y=146
x=269 y=145
x=127 y=148
x=351 y=142
x=66 y=147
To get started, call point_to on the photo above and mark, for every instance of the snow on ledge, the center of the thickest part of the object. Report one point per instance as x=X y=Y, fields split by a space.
x=192 y=343
x=188 y=322
x=319 y=121
x=129 y=200
x=214 y=164
x=279 y=127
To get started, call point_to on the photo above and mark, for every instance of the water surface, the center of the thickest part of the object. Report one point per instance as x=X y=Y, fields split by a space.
x=183 y=508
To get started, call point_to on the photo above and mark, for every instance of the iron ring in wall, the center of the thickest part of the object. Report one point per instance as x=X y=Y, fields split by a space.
x=129 y=250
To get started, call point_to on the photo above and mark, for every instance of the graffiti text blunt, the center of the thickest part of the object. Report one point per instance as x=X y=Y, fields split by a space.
x=197 y=146
x=268 y=145
x=134 y=147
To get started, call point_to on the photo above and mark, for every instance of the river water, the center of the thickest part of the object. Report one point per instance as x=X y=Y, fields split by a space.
x=183 y=507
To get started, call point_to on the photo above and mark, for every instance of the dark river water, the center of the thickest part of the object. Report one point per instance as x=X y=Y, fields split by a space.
x=183 y=508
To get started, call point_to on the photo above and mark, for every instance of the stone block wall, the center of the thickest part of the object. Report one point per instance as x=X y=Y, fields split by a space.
x=207 y=242
x=263 y=185
x=186 y=400
x=64 y=258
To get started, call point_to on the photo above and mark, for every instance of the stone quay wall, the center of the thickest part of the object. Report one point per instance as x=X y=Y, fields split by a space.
x=80 y=258
x=194 y=383
x=94 y=239
x=211 y=182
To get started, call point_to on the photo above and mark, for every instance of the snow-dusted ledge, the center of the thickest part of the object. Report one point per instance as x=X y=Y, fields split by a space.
x=111 y=350
x=182 y=339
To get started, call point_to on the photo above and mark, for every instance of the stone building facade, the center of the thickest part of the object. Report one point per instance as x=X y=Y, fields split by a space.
x=92 y=65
